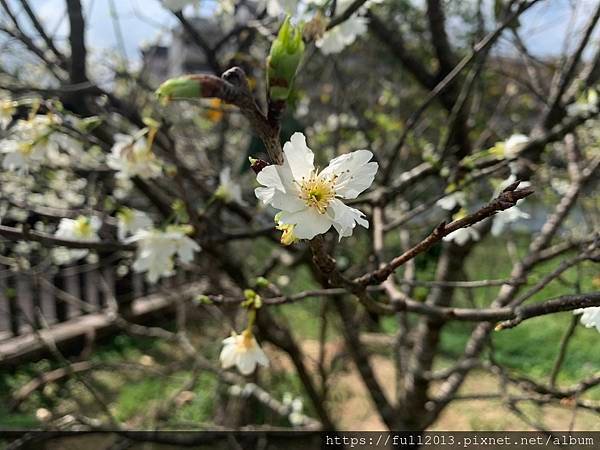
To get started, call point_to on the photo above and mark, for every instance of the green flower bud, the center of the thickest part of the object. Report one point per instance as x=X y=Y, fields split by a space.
x=262 y=282
x=203 y=300
x=284 y=58
x=183 y=87
x=253 y=300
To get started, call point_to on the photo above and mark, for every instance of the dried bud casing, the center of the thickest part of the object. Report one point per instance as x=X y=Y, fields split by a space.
x=284 y=58
x=258 y=164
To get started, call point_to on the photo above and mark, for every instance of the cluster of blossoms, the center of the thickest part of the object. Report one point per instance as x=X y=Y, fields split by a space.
x=29 y=142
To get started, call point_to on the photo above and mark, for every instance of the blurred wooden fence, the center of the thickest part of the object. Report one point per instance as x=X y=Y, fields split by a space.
x=47 y=298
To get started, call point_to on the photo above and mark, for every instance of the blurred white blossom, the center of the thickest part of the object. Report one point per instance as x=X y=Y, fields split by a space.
x=130 y=221
x=502 y=219
x=157 y=250
x=590 y=317
x=514 y=145
x=228 y=190
x=296 y=406
x=28 y=143
x=278 y=7
x=339 y=37
x=309 y=199
x=462 y=236
x=132 y=156
x=7 y=111
x=586 y=104
x=451 y=201
x=81 y=229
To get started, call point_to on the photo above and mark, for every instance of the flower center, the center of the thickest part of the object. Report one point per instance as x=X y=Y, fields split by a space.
x=317 y=192
x=25 y=148
x=83 y=228
x=246 y=343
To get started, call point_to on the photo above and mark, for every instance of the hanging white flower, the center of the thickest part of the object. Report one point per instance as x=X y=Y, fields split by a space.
x=309 y=199
x=8 y=108
x=228 y=190
x=462 y=236
x=451 y=201
x=81 y=229
x=132 y=156
x=590 y=317
x=178 y=5
x=514 y=145
x=131 y=221
x=157 y=250
x=242 y=351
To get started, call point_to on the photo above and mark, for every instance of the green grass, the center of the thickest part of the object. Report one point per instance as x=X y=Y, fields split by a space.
x=529 y=349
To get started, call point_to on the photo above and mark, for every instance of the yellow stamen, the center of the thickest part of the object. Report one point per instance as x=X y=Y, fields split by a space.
x=317 y=191
x=83 y=227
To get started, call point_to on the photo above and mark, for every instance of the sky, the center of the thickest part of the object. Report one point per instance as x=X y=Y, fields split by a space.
x=544 y=26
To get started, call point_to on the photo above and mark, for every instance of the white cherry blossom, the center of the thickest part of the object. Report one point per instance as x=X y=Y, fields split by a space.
x=462 y=236
x=502 y=219
x=451 y=201
x=228 y=190
x=157 y=250
x=242 y=351
x=278 y=7
x=28 y=144
x=7 y=110
x=514 y=144
x=132 y=156
x=81 y=229
x=590 y=317
x=130 y=221
x=310 y=199
x=339 y=37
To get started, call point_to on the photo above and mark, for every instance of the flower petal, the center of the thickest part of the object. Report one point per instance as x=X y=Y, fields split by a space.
x=308 y=222
x=246 y=363
x=228 y=355
x=271 y=178
x=345 y=218
x=354 y=173
x=299 y=157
